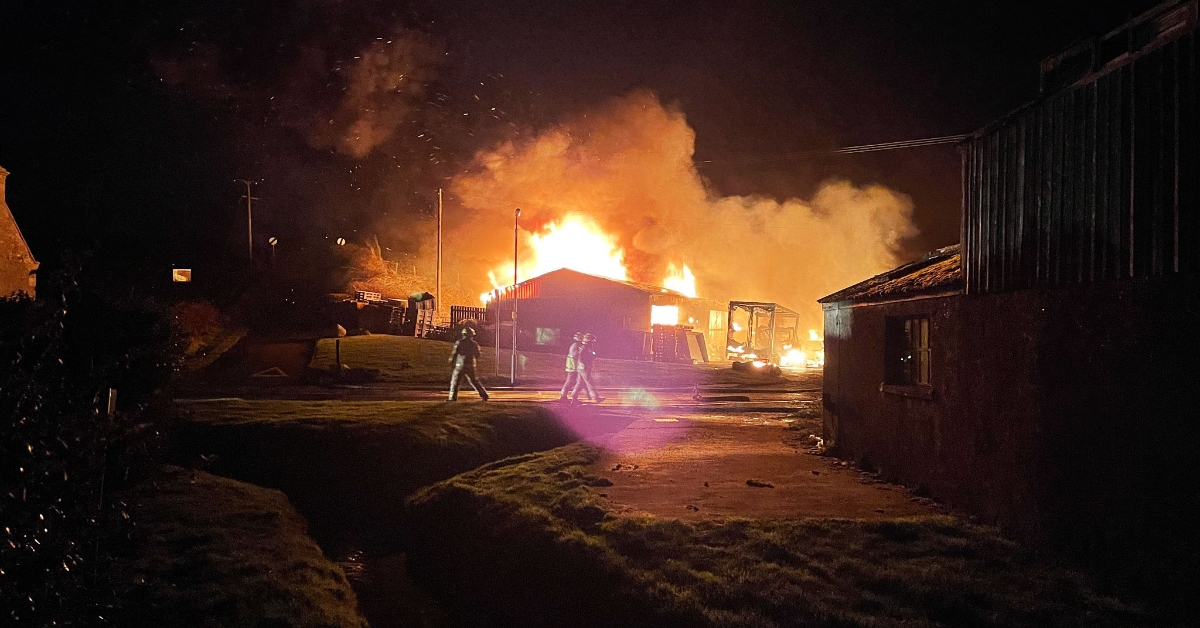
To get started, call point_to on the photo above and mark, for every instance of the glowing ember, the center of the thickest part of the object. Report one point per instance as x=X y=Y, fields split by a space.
x=664 y=315
x=812 y=335
x=680 y=280
x=793 y=358
x=800 y=359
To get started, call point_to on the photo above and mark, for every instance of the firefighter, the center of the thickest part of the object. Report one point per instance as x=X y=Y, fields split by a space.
x=584 y=369
x=466 y=352
x=572 y=374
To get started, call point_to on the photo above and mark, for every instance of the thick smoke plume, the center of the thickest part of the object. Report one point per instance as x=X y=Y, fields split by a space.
x=350 y=103
x=384 y=86
x=628 y=166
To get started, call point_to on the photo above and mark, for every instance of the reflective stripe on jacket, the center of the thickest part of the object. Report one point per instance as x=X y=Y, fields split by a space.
x=465 y=353
x=573 y=356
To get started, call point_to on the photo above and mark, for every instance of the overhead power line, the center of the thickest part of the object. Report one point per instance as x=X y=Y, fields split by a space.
x=847 y=150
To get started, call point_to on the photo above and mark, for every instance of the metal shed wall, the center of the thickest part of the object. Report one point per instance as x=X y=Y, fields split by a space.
x=1093 y=183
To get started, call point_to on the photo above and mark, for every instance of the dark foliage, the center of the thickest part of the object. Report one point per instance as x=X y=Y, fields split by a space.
x=272 y=306
x=61 y=452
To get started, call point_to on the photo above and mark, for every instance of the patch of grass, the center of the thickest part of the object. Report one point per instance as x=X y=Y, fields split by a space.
x=216 y=552
x=348 y=465
x=527 y=541
x=408 y=360
x=397 y=358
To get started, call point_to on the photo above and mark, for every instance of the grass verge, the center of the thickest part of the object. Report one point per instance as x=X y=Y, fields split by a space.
x=348 y=465
x=527 y=541
x=421 y=361
x=216 y=552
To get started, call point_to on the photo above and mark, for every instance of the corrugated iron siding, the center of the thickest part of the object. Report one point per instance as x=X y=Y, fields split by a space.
x=1097 y=182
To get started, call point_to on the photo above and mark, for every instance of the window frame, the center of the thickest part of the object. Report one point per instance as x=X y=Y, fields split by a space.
x=908 y=355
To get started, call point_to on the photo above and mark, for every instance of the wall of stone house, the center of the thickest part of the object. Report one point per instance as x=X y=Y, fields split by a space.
x=14 y=270
x=16 y=262
x=1067 y=416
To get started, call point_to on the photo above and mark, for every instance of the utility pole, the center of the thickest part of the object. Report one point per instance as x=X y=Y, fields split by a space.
x=496 y=312
x=249 y=216
x=512 y=373
x=437 y=290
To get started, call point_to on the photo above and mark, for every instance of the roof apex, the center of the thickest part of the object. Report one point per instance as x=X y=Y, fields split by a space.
x=940 y=269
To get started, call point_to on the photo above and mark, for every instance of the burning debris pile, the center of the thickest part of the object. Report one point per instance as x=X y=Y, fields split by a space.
x=614 y=192
x=768 y=333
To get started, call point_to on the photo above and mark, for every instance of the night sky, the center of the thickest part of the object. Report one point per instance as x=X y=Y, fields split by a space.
x=125 y=123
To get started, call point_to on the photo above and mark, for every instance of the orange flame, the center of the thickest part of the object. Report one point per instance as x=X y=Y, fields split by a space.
x=577 y=243
x=574 y=242
x=680 y=280
x=487 y=297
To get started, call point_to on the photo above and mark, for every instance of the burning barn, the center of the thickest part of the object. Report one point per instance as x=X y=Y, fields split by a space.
x=17 y=266
x=550 y=308
x=1040 y=375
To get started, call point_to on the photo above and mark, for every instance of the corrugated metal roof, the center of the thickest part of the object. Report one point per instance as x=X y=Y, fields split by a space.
x=939 y=271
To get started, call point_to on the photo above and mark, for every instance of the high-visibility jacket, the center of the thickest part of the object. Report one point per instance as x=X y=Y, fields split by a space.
x=573 y=356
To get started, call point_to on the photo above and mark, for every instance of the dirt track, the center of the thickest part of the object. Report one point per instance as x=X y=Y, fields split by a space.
x=696 y=467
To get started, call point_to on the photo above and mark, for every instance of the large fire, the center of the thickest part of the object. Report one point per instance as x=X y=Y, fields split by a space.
x=620 y=182
x=575 y=242
x=578 y=243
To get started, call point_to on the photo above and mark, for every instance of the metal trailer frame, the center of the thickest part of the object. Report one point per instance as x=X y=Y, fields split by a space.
x=778 y=317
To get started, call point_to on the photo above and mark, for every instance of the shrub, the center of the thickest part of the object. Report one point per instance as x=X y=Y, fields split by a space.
x=199 y=322
x=61 y=453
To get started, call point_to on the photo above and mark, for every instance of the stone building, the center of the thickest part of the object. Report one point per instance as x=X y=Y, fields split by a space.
x=17 y=267
x=1040 y=375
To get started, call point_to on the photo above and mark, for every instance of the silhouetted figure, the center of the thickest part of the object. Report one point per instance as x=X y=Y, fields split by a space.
x=572 y=367
x=585 y=362
x=466 y=352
